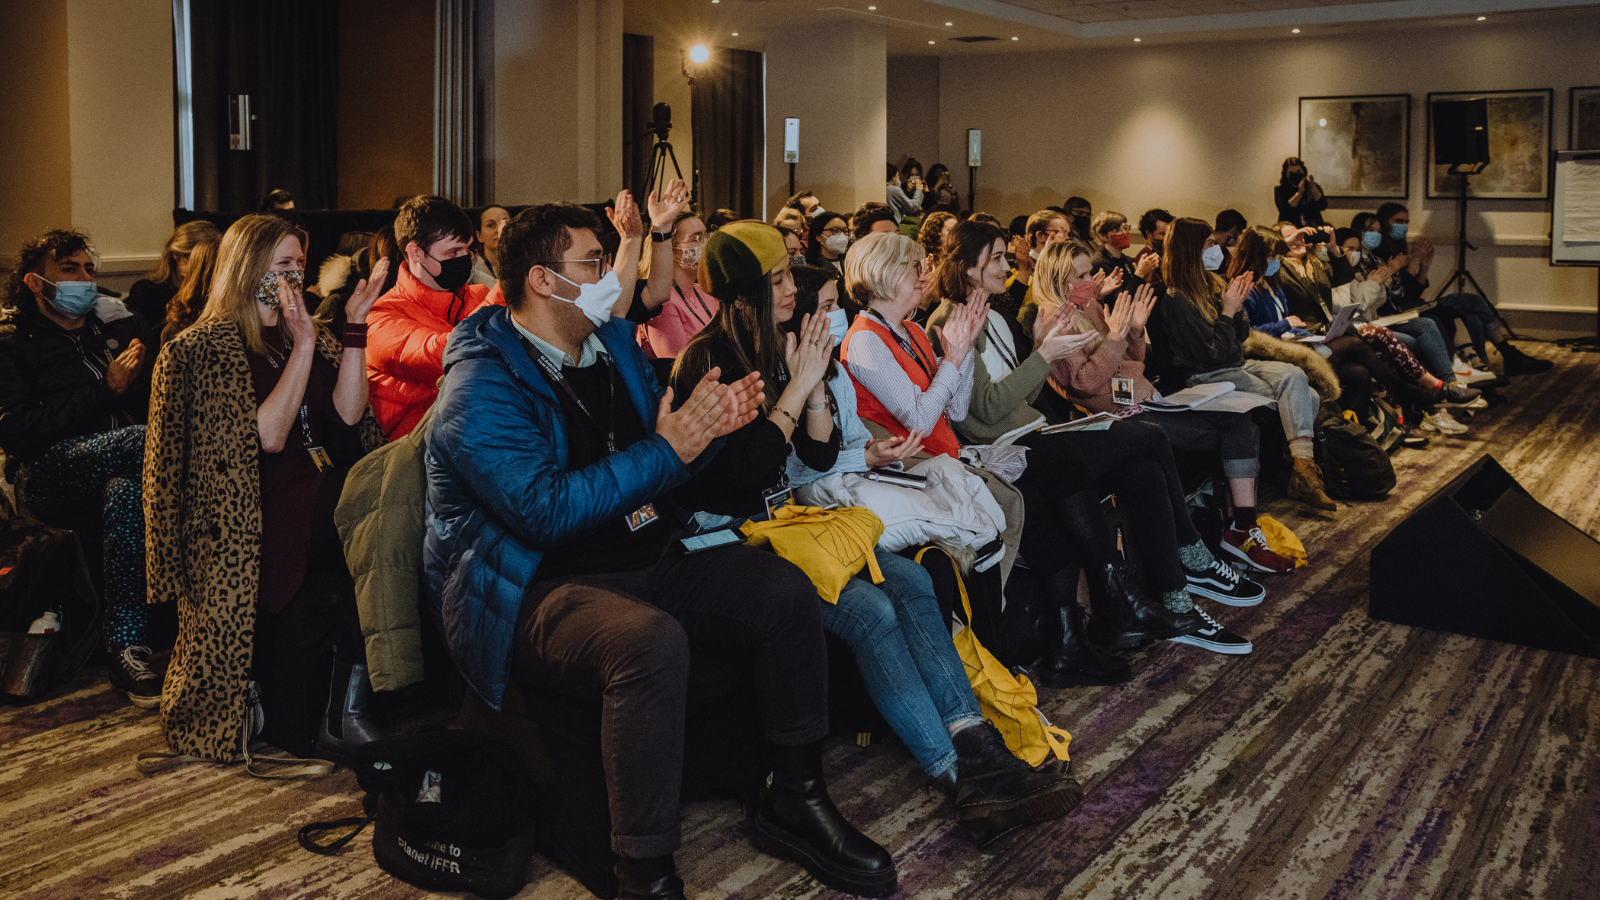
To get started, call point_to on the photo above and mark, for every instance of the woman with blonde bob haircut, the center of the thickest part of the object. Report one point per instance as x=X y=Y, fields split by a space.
x=258 y=413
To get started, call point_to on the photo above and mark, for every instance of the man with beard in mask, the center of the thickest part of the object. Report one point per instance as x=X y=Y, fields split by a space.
x=408 y=327
x=74 y=396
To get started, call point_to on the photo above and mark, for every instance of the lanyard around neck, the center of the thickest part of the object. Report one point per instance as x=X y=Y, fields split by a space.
x=907 y=345
x=559 y=380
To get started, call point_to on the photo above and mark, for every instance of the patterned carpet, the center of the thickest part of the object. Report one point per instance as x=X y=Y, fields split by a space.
x=1345 y=758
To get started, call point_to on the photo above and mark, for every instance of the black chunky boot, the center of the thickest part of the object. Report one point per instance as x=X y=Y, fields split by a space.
x=1519 y=363
x=655 y=878
x=798 y=821
x=995 y=793
x=1123 y=617
x=346 y=724
x=1069 y=659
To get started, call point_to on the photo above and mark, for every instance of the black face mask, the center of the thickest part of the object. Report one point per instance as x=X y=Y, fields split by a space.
x=1080 y=224
x=1296 y=177
x=453 y=273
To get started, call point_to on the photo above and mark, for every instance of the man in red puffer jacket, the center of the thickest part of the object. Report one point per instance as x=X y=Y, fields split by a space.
x=408 y=327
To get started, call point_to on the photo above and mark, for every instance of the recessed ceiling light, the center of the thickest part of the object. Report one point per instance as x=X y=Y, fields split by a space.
x=1014 y=39
x=950 y=24
x=1138 y=40
x=872 y=7
x=1481 y=18
x=736 y=34
x=1294 y=31
x=930 y=42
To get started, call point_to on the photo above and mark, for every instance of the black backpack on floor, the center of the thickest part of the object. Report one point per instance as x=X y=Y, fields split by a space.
x=452 y=811
x=42 y=570
x=1353 y=466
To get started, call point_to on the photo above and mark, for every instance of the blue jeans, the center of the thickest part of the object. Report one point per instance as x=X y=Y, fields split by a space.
x=903 y=649
x=1280 y=381
x=1422 y=337
x=1477 y=315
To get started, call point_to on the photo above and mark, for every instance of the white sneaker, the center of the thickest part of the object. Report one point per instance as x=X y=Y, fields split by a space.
x=1467 y=373
x=1442 y=422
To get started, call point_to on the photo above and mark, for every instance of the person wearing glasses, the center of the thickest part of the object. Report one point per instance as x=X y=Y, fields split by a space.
x=828 y=241
x=409 y=325
x=1045 y=227
x=552 y=559
x=668 y=283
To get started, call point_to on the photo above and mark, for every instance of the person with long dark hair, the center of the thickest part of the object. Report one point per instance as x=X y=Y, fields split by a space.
x=827 y=240
x=902 y=646
x=1297 y=195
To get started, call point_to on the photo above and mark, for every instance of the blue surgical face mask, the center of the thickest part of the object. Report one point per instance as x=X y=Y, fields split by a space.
x=1371 y=240
x=1398 y=231
x=73 y=299
x=1211 y=257
x=594 y=300
x=838 y=324
x=1322 y=252
x=1272 y=267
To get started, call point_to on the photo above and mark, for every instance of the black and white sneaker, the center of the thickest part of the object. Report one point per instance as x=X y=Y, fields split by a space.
x=1223 y=583
x=131 y=674
x=1207 y=633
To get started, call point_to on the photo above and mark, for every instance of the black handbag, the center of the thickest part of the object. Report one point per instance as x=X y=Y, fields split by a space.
x=451 y=811
x=42 y=570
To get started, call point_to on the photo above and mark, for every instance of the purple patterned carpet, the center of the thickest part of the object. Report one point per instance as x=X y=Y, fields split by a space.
x=1344 y=758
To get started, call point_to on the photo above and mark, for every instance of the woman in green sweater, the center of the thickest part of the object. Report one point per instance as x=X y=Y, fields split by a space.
x=1068 y=471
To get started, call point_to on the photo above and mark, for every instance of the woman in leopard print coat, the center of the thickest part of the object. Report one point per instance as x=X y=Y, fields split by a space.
x=204 y=455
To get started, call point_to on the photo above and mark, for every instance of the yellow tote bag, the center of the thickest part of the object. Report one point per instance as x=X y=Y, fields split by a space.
x=1281 y=540
x=1009 y=701
x=829 y=545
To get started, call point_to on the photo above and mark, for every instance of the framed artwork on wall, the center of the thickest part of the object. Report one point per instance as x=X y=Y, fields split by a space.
x=1358 y=146
x=1519 y=148
x=1584 y=123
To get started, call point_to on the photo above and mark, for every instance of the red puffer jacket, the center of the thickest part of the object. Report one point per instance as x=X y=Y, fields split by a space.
x=406 y=333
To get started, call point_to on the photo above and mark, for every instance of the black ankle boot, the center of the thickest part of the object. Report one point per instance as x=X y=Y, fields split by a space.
x=798 y=821
x=655 y=878
x=1519 y=363
x=1124 y=617
x=996 y=793
x=346 y=724
x=1069 y=659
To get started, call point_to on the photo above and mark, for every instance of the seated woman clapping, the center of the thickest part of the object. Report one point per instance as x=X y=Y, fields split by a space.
x=900 y=640
x=1068 y=472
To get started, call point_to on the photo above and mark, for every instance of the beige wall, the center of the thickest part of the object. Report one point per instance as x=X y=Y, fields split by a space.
x=385 y=109
x=834 y=79
x=913 y=109
x=1203 y=127
x=89 y=139
x=557 y=101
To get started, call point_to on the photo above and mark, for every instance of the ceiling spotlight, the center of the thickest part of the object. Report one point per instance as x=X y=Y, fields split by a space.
x=1138 y=40
x=872 y=7
x=736 y=34
x=1481 y=18
x=1294 y=31
x=1014 y=39
x=699 y=54
x=930 y=42
x=950 y=24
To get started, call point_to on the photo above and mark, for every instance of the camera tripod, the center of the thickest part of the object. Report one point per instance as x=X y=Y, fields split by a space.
x=1462 y=274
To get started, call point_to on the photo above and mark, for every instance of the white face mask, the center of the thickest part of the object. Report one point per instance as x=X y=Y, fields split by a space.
x=1322 y=252
x=1033 y=254
x=838 y=324
x=1211 y=257
x=1355 y=256
x=594 y=300
x=689 y=257
x=837 y=243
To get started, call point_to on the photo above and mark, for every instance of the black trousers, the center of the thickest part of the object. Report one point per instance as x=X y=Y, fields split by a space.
x=625 y=637
x=295 y=649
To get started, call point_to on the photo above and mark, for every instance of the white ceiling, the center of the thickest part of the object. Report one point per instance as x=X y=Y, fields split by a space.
x=931 y=27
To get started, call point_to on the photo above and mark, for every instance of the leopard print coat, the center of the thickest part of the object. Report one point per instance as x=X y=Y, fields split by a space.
x=202 y=506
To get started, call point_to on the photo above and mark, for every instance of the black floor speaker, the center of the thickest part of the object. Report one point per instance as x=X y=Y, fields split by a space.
x=1484 y=559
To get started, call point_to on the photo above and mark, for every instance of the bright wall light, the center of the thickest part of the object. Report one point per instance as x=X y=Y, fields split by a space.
x=699 y=54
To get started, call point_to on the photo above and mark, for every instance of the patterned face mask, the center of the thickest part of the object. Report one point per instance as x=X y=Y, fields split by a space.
x=267 y=290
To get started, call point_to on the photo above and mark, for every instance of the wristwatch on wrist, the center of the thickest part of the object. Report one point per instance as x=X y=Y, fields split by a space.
x=657 y=237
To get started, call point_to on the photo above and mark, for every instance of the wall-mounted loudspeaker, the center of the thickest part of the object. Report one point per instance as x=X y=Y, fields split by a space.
x=1460 y=132
x=1484 y=559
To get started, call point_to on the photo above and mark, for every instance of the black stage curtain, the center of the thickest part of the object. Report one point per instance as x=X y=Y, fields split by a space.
x=638 y=95
x=285 y=55
x=729 y=131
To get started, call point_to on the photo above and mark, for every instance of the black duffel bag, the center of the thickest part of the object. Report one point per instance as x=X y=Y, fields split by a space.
x=451 y=811
x=42 y=571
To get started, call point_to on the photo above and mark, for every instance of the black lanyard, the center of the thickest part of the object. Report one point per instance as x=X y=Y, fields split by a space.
x=305 y=413
x=698 y=302
x=907 y=346
x=995 y=341
x=559 y=380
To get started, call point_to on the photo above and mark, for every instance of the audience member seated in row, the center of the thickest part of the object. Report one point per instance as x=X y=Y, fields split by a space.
x=1116 y=351
x=827 y=242
x=258 y=414
x=187 y=304
x=150 y=295
x=486 y=244
x=1068 y=472
x=792 y=219
x=794 y=245
x=551 y=557
x=936 y=227
x=412 y=321
x=74 y=395
x=1112 y=238
x=668 y=284
x=1298 y=196
x=901 y=644
x=806 y=203
x=1230 y=225
x=1405 y=293
x=872 y=216
x=1207 y=325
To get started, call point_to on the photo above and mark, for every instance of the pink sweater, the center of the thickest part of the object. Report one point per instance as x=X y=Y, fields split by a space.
x=681 y=318
x=1086 y=378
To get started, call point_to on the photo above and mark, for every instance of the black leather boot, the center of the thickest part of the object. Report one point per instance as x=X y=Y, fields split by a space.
x=996 y=793
x=1069 y=659
x=798 y=821
x=655 y=878
x=347 y=724
x=1123 y=616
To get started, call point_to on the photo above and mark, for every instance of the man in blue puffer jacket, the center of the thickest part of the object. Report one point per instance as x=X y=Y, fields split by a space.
x=550 y=561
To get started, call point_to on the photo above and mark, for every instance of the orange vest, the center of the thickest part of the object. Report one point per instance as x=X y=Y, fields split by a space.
x=942 y=439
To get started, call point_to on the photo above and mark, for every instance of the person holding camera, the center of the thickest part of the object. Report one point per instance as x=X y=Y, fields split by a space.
x=1298 y=196
x=902 y=203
